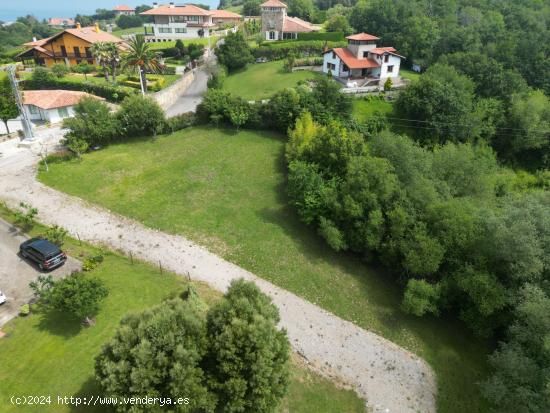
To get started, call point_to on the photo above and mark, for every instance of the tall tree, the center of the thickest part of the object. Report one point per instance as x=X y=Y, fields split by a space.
x=141 y=58
x=8 y=105
x=235 y=52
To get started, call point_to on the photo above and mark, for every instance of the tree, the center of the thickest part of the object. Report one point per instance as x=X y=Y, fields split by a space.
x=41 y=77
x=60 y=70
x=126 y=22
x=338 y=23
x=41 y=287
x=247 y=359
x=238 y=114
x=251 y=8
x=421 y=298
x=440 y=107
x=303 y=9
x=78 y=295
x=158 y=353
x=102 y=53
x=84 y=68
x=76 y=145
x=93 y=123
x=8 y=105
x=140 y=116
x=235 y=52
x=141 y=58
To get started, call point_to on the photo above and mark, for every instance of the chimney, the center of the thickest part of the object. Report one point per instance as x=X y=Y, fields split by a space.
x=97 y=29
x=172 y=5
x=155 y=5
x=78 y=25
x=34 y=39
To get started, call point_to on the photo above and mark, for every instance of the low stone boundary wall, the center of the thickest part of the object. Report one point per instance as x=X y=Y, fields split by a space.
x=166 y=97
x=312 y=68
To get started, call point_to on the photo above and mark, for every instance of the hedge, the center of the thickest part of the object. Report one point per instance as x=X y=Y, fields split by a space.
x=281 y=50
x=112 y=94
x=329 y=36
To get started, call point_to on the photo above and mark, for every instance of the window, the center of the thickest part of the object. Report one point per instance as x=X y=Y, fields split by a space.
x=180 y=30
x=33 y=110
x=334 y=55
x=88 y=52
x=165 y=30
x=390 y=69
x=345 y=68
x=63 y=51
x=271 y=35
x=365 y=54
x=386 y=58
x=63 y=112
x=331 y=66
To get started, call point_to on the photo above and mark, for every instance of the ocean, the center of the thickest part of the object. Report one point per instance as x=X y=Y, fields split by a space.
x=43 y=9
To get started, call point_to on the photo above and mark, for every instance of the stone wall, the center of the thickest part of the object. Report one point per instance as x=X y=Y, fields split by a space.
x=167 y=97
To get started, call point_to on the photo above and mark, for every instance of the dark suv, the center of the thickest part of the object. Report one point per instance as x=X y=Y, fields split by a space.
x=43 y=252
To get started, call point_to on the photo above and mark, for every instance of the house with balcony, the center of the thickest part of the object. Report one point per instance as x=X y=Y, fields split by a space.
x=61 y=23
x=362 y=61
x=70 y=46
x=173 y=22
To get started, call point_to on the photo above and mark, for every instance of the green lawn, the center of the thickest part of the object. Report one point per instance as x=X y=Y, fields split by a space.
x=262 y=80
x=365 y=108
x=186 y=42
x=131 y=30
x=226 y=190
x=49 y=353
x=409 y=74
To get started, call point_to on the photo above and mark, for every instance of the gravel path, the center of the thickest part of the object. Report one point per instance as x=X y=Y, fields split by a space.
x=390 y=378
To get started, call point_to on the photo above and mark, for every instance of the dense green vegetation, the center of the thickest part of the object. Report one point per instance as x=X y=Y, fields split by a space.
x=182 y=184
x=49 y=353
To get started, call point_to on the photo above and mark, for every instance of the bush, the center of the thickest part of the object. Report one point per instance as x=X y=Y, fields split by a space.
x=24 y=310
x=140 y=116
x=93 y=122
x=40 y=78
x=56 y=234
x=235 y=52
x=25 y=217
x=280 y=50
x=325 y=36
x=60 y=70
x=179 y=122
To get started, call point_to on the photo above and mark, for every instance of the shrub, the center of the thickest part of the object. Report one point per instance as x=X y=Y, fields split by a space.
x=388 y=84
x=235 y=52
x=41 y=77
x=328 y=36
x=92 y=262
x=185 y=120
x=56 y=234
x=93 y=122
x=60 y=70
x=280 y=50
x=25 y=217
x=111 y=93
x=24 y=310
x=140 y=116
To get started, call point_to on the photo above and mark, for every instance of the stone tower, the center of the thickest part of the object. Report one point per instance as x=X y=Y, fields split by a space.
x=273 y=19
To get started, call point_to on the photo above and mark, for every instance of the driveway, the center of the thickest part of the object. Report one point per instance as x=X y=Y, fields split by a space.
x=16 y=273
x=192 y=96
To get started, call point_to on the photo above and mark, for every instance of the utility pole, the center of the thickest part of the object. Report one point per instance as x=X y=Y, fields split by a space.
x=27 y=126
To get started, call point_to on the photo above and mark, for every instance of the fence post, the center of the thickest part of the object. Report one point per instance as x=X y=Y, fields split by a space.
x=160 y=267
x=79 y=241
x=131 y=258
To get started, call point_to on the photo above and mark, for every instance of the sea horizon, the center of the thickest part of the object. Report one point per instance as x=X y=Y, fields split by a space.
x=60 y=8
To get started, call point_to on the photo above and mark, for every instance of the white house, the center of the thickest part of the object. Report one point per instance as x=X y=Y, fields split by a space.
x=362 y=60
x=52 y=105
x=277 y=25
x=122 y=9
x=173 y=22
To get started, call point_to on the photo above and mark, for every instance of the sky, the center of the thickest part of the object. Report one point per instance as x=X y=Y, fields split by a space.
x=11 y=9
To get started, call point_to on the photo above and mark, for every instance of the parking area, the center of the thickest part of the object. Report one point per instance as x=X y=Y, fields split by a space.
x=16 y=273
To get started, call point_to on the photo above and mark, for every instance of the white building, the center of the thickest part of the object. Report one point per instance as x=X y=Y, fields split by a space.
x=277 y=25
x=52 y=105
x=361 y=59
x=122 y=9
x=173 y=22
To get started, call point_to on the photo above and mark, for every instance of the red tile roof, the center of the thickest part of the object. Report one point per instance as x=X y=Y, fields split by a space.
x=51 y=99
x=123 y=7
x=224 y=14
x=362 y=36
x=382 y=50
x=295 y=25
x=273 y=3
x=187 y=10
x=351 y=60
x=59 y=21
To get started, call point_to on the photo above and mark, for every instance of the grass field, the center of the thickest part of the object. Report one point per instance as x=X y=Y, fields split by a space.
x=131 y=30
x=186 y=42
x=365 y=108
x=409 y=74
x=261 y=80
x=49 y=353
x=226 y=190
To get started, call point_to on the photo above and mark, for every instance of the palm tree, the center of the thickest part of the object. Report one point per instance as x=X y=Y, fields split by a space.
x=101 y=53
x=107 y=55
x=141 y=58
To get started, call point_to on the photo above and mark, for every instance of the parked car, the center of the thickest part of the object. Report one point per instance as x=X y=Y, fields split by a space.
x=2 y=298
x=261 y=60
x=44 y=253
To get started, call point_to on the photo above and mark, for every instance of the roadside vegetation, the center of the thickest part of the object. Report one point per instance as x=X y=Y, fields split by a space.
x=50 y=352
